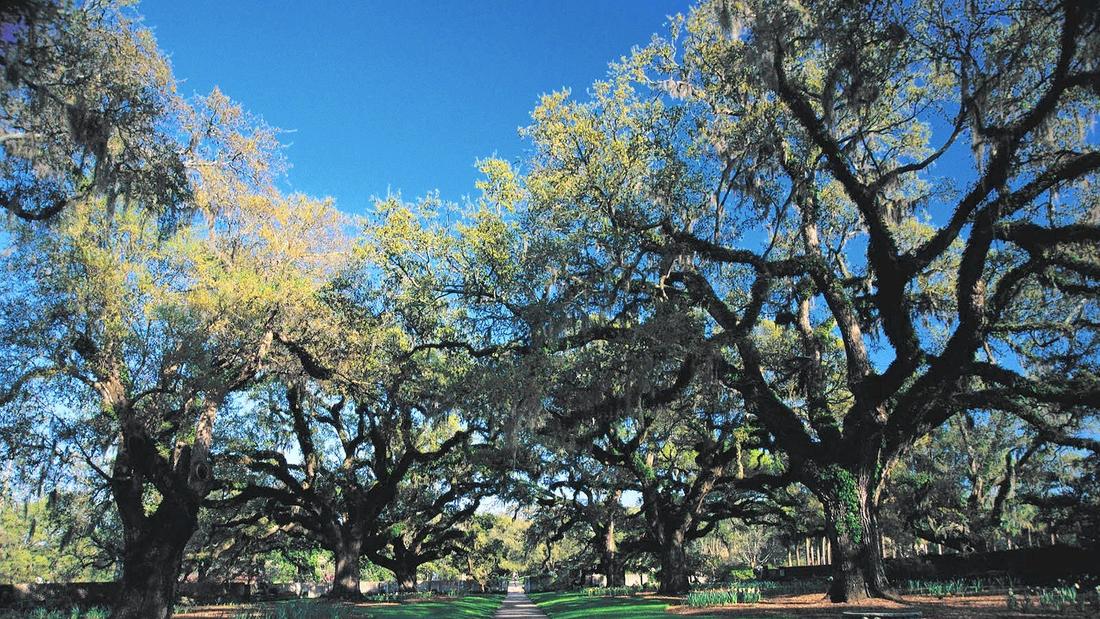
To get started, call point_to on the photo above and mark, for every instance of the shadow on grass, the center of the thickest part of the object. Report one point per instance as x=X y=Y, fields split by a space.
x=469 y=607
x=579 y=606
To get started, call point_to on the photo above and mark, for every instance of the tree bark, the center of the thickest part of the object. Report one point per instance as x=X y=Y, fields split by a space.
x=153 y=552
x=153 y=544
x=851 y=521
x=345 y=581
x=612 y=570
x=610 y=565
x=673 y=578
x=406 y=578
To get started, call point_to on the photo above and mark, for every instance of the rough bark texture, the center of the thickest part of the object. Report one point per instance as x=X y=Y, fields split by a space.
x=610 y=564
x=345 y=581
x=151 y=565
x=612 y=570
x=153 y=544
x=406 y=578
x=851 y=521
x=673 y=579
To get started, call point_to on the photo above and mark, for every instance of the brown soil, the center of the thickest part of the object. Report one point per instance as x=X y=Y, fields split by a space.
x=816 y=606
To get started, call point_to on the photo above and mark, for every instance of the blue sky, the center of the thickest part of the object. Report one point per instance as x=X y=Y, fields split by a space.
x=396 y=96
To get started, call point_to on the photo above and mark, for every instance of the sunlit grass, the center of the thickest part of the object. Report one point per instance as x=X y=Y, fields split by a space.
x=577 y=605
x=470 y=606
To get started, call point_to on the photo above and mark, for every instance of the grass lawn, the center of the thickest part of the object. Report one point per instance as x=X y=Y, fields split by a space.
x=801 y=606
x=580 y=606
x=469 y=607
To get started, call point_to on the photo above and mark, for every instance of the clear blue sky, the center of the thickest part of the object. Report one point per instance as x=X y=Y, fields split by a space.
x=401 y=95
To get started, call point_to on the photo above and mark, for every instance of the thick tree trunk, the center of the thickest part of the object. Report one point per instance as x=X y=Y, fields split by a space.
x=153 y=552
x=153 y=544
x=345 y=581
x=851 y=520
x=610 y=566
x=612 y=570
x=406 y=578
x=673 y=578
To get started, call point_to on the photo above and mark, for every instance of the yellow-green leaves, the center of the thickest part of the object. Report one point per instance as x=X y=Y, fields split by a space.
x=499 y=186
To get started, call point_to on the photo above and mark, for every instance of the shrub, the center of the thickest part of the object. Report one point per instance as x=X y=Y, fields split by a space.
x=742 y=574
x=610 y=591
x=723 y=597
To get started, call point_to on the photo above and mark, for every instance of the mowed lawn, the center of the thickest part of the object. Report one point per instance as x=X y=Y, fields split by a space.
x=469 y=607
x=580 y=606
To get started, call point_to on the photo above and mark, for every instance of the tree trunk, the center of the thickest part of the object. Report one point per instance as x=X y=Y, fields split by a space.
x=851 y=521
x=673 y=577
x=152 y=544
x=345 y=582
x=152 y=554
x=612 y=570
x=610 y=565
x=406 y=578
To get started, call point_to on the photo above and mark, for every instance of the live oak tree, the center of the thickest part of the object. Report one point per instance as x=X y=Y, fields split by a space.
x=684 y=467
x=353 y=461
x=643 y=404
x=383 y=404
x=148 y=339
x=902 y=193
x=494 y=549
x=1070 y=503
x=143 y=305
x=573 y=496
x=424 y=522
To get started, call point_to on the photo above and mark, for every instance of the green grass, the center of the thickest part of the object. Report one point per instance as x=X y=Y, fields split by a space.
x=42 y=613
x=578 y=605
x=470 y=606
x=467 y=607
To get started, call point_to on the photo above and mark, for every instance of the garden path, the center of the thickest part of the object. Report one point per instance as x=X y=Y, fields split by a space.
x=518 y=606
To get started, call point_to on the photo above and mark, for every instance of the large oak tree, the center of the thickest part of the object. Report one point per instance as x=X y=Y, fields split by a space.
x=886 y=211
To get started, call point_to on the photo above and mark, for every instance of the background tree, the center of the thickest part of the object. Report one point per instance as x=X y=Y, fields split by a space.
x=960 y=485
x=379 y=395
x=89 y=110
x=572 y=495
x=422 y=523
x=495 y=549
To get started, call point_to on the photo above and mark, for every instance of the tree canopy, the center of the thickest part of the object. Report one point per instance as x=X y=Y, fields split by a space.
x=792 y=270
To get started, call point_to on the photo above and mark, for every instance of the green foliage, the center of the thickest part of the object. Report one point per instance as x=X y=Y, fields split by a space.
x=496 y=549
x=43 y=613
x=840 y=485
x=611 y=591
x=723 y=597
x=958 y=586
x=35 y=545
x=742 y=574
x=772 y=588
x=1058 y=599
